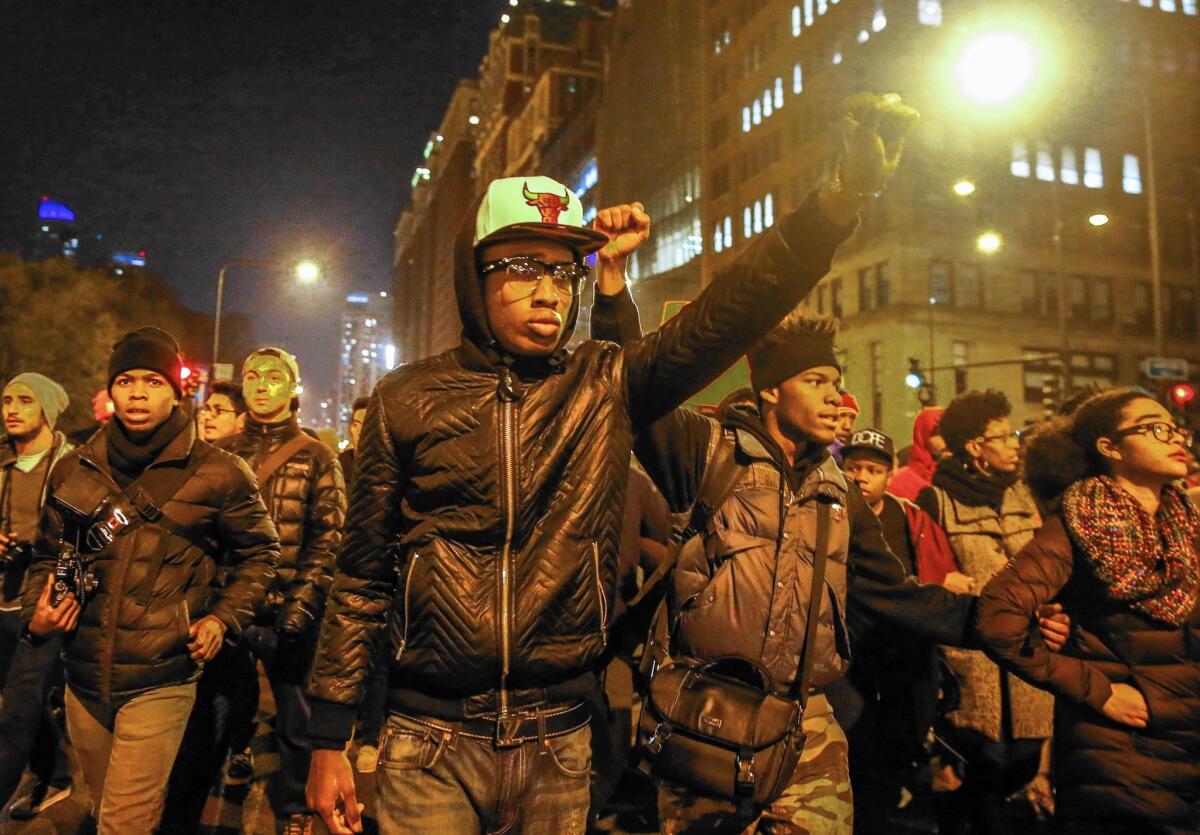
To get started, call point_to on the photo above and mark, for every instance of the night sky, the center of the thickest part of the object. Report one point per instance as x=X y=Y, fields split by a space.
x=202 y=131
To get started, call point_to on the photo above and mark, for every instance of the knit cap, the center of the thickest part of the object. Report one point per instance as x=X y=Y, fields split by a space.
x=149 y=348
x=52 y=397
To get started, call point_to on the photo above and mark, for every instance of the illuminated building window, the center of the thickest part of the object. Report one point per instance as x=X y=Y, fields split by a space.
x=837 y=55
x=758 y=224
x=879 y=21
x=808 y=12
x=728 y=231
x=797 y=79
x=745 y=120
x=929 y=12
x=766 y=104
x=747 y=223
x=1068 y=172
x=1045 y=163
x=768 y=211
x=822 y=6
x=1167 y=5
x=864 y=36
x=796 y=22
x=756 y=112
x=1189 y=7
x=1093 y=171
x=778 y=93
x=1149 y=4
x=1131 y=175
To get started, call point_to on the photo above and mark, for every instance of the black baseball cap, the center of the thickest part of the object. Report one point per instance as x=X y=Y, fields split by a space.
x=874 y=441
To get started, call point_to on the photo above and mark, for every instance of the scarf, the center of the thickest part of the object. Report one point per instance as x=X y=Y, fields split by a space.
x=965 y=483
x=129 y=453
x=1149 y=563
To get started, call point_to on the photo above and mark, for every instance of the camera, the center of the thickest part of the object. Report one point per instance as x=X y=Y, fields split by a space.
x=73 y=576
x=17 y=555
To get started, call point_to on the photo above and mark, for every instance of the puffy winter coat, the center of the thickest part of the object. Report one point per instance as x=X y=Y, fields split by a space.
x=984 y=538
x=1149 y=778
x=154 y=581
x=486 y=510
x=746 y=591
x=306 y=498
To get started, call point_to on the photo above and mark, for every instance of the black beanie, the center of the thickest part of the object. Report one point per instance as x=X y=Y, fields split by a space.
x=795 y=345
x=150 y=348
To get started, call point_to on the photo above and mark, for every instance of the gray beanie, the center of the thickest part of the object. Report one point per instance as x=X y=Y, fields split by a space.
x=52 y=397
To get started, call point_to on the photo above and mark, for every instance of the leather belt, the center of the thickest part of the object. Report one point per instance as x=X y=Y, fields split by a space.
x=516 y=728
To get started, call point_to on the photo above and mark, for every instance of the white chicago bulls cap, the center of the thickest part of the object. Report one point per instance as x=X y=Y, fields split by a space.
x=534 y=207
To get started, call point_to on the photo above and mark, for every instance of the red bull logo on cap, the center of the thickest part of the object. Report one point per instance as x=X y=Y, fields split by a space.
x=548 y=204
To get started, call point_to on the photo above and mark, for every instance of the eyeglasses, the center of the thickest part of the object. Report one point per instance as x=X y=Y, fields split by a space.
x=1011 y=439
x=525 y=274
x=1163 y=432
x=216 y=411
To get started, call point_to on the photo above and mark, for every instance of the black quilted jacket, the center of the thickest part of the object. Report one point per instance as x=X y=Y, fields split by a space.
x=486 y=511
x=306 y=498
x=132 y=635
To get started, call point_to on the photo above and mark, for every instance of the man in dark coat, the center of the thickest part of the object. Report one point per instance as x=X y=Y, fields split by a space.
x=487 y=507
x=145 y=508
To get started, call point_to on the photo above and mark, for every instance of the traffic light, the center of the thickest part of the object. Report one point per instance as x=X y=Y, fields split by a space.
x=189 y=381
x=914 y=379
x=1051 y=396
x=1182 y=394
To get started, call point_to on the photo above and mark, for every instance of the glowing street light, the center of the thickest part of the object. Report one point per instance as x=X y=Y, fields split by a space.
x=307 y=272
x=964 y=188
x=1098 y=219
x=996 y=67
x=989 y=243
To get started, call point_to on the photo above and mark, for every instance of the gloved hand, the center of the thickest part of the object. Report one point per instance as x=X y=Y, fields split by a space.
x=873 y=131
x=294 y=620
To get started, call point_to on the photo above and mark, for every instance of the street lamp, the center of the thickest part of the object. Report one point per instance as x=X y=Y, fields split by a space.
x=306 y=272
x=996 y=67
x=989 y=243
x=964 y=188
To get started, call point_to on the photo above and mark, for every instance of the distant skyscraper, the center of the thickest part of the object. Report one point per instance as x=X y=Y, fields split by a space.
x=367 y=350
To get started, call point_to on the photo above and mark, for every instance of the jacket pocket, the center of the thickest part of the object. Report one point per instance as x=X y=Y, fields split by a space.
x=602 y=598
x=402 y=644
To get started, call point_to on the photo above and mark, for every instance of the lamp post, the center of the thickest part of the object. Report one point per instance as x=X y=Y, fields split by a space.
x=306 y=272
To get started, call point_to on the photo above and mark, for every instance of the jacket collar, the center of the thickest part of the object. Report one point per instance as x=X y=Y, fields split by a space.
x=58 y=447
x=823 y=476
x=274 y=431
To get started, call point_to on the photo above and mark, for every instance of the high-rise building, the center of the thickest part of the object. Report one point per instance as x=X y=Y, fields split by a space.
x=367 y=352
x=650 y=142
x=1046 y=253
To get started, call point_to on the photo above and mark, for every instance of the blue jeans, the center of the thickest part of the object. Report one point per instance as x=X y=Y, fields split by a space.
x=433 y=781
x=29 y=734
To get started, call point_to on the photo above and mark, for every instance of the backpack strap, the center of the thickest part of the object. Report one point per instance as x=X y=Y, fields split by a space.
x=281 y=456
x=815 y=599
x=716 y=486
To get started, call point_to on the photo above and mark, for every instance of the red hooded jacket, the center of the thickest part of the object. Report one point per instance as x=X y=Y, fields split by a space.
x=909 y=481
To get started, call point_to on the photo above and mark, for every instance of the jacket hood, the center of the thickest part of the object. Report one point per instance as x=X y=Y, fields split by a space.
x=920 y=459
x=472 y=310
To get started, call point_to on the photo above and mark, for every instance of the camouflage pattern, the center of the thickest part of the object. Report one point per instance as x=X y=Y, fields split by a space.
x=817 y=802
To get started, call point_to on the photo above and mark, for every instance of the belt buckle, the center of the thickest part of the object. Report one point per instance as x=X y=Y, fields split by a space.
x=507 y=728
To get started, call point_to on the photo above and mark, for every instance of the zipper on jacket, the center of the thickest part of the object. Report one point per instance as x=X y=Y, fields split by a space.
x=601 y=595
x=407 y=585
x=508 y=467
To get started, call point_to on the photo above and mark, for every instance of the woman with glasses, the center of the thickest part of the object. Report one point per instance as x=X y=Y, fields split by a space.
x=1001 y=725
x=1121 y=556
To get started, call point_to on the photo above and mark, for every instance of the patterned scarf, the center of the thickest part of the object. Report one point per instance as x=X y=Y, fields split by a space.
x=1149 y=563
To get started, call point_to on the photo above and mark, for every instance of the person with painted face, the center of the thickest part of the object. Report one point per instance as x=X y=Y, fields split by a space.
x=145 y=510
x=486 y=512
x=1122 y=554
x=1002 y=725
x=302 y=484
x=31 y=406
x=223 y=413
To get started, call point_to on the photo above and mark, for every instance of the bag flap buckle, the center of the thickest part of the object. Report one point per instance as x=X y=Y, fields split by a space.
x=744 y=781
x=655 y=743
